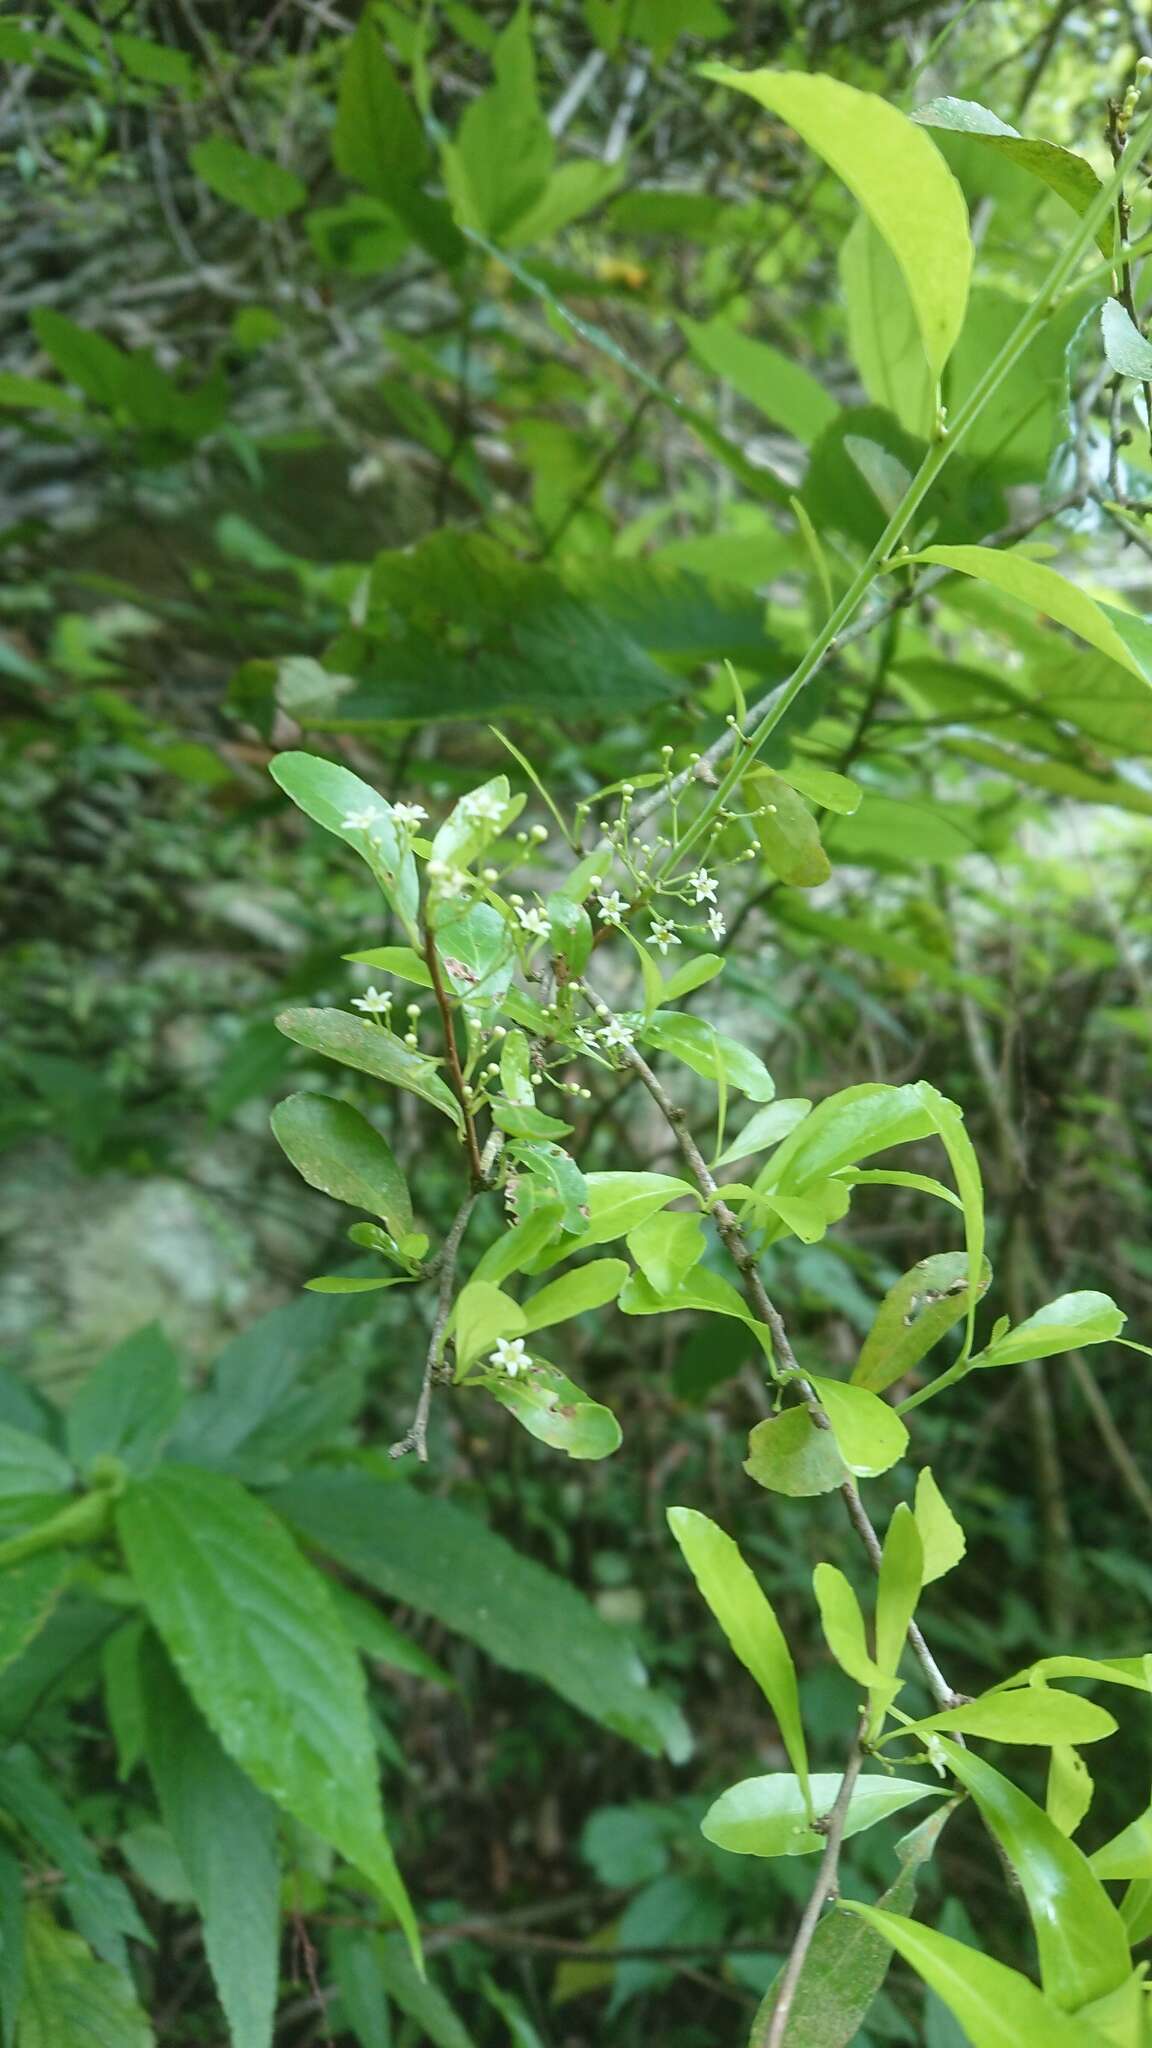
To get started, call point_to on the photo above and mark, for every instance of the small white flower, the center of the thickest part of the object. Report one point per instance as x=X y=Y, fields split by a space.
x=617 y=1033
x=374 y=1002
x=408 y=816
x=361 y=821
x=535 y=922
x=587 y=1038
x=703 y=886
x=484 y=806
x=510 y=1355
x=612 y=907
x=453 y=882
x=661 y=935
x=716 y=924
x=364 y=474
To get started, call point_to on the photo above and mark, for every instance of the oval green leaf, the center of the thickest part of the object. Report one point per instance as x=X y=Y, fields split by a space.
x=338 y=1151
x=767 y=1816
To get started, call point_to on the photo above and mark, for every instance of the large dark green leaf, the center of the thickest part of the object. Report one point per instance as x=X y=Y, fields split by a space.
x=127 y=1407
x=253 y=1632
x=458 y=628
x=224 y=1831
x=434 y=1557
x=99 y=1904
x=71 y=2000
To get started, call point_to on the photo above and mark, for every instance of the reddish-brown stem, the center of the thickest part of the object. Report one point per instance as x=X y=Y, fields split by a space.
x=454 y=1068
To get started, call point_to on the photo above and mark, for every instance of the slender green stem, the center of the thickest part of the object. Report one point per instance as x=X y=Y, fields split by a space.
x=938 y=455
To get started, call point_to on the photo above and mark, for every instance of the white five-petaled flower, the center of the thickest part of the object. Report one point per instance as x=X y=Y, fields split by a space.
x=535 y=922
x=587 y=1038
x=510 y=1355
x=408 y=816
x=374 y=1002
x=612 y=907
x=703 y=886
x=661 y=935
x=616 y=1033
x=484 y=806
x=365 y=820
x=716 y=924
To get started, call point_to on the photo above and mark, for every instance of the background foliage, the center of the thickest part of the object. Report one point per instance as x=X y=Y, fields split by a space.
x=367 y=383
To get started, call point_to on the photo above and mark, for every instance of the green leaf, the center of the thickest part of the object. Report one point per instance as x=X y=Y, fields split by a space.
x=1079 y=1933
x=941 y=1536
x=1034 y=1714
x=156 y=63
x=11 y=1944
x=772 y=382
x=789 y=1454
x=883 y=331
x=1129 y=1854
x=100 y=1905
x=399 y=960
x=767 y=1127
x=823 y=786
x=843 y=1625
x=788 y=833
x=1070 y=1788
x=1061 y=170
x=768 y=1816
x=338 y=1151
x=128 y=1407
x=571 y=932
x=377 y=139
x=442 y=1561
x=86 y=359
x=475 y=820
x=328 y=794
x=482 y=1315
x=354 y=1955
x=870 y=1435
x=381 y=1641
x=1124 y=637
x=692 y=975
x=29 y=1466
x=1063 y=1325
x=521 y=1122
x=252 y=1631
x=899 y=178
x=1124 y=345
x=35 y=394
x=499 y=163
x=996 y=2006
x=370 y=1050
x=70 y=2000
x=898 y=1588
x=552 y=1408
x=256 y=184
x=666 y=1248
x=844 y=1128
x=575 y=1293
x=708 y=1051
x=421 y=2000
x=948 y=1122
x=478 y=955
x=576 y=188
x=913 y=1316
x=516 y=1249
x=747 y=1619
x=28 y=1594
x=225 y=1835
x=618 y=1202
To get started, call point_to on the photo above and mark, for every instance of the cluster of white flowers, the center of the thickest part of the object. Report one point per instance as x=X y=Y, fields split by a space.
x=370 y=819
x=510 y=1355
x=449 y=881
